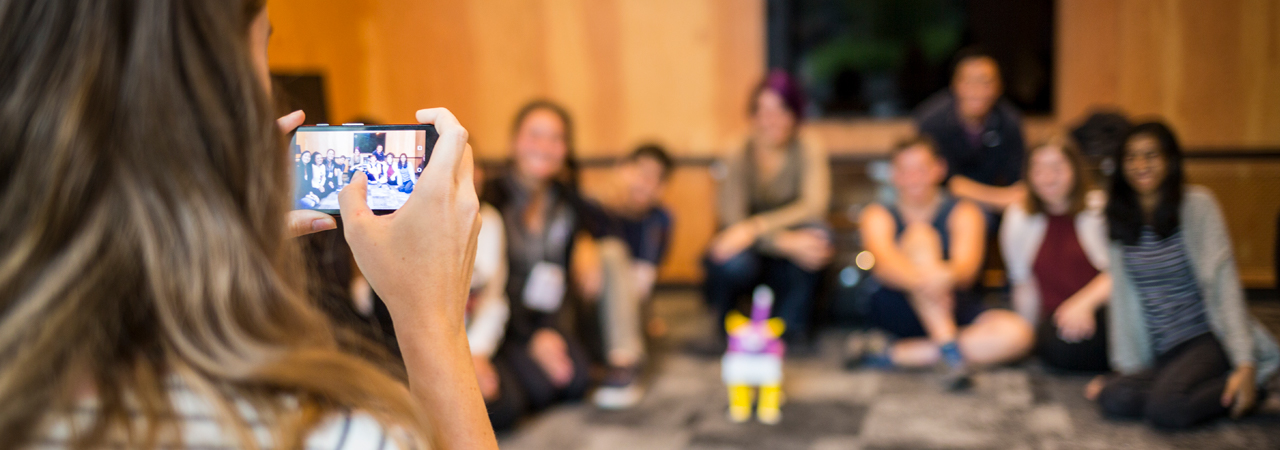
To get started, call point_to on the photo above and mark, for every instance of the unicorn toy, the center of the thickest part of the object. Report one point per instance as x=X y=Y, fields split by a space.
x=754 y=360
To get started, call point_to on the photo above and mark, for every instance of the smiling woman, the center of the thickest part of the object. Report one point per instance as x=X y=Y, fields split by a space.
x=148 y=291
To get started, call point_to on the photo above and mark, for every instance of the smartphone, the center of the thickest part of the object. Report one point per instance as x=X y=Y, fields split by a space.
x=327 y=157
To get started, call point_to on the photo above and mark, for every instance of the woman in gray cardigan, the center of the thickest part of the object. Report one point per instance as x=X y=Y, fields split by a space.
x=1180 y=335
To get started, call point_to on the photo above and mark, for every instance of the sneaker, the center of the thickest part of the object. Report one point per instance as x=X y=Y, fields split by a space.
x=620 y=389
x=957 y=379
x=868 y=349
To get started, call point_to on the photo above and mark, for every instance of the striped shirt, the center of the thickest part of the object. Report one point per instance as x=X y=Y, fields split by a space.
x=1167 y=288
x=202 y=428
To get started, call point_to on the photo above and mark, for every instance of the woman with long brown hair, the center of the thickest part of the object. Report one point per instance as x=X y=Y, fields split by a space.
x=150 y=295
x=1055 y=252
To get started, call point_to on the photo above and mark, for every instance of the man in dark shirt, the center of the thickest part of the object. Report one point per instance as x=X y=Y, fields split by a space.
x=979 y=133
x=617 y=267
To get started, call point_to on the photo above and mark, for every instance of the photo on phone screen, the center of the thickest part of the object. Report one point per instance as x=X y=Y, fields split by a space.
x=390 y=156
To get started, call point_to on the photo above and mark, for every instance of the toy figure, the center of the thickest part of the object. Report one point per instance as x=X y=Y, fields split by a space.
x=754 y=360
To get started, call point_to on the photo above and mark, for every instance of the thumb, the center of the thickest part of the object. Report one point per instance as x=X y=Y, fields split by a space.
x=353 y=199
x=291 y=121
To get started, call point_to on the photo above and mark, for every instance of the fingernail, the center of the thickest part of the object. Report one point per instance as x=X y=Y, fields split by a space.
x=323 y=224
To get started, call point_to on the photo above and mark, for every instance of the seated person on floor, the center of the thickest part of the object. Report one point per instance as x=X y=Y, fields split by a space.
x=928 y=252
x=1055 y=252
x=541 y=211
x=1181 y=335
x=487 y=313
x=978 y=133
x=772 y=202
x=617 y=267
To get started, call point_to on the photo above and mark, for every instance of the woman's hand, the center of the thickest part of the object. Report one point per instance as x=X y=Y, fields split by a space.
x=552 y=354
x=1075 y=320
x=733 y=240
x=808 y=248
x=303 y=221
x=1241 y=391
x=419 y=258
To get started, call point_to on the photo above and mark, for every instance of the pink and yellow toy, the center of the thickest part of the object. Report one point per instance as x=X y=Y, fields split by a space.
x=754 y=360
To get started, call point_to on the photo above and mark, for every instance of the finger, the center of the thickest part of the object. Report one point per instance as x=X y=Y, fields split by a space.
x=353 y=200
x=306 y=221
x=447 y=155
x=1229 y=394
x=467 y=170
x=291 y=121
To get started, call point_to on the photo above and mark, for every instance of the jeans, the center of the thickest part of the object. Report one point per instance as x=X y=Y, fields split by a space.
x=793 y=288
x=539 y=392
x=1183 y=389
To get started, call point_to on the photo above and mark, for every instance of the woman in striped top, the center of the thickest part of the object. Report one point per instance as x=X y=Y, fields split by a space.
x=150 y=295
x=1181 y=336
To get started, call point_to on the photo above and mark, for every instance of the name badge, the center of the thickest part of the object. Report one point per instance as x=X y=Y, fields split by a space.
x=544 y=291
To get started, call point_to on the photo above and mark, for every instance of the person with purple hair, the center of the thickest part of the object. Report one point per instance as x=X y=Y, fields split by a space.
x=773 y=197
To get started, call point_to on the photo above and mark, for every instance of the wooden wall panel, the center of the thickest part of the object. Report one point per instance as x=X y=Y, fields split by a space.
x=1208 y=68
x=1249 y=195
x=672 y=71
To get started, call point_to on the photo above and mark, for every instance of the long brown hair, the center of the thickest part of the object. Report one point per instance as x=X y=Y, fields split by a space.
x=143 y=191
x=1081 y=182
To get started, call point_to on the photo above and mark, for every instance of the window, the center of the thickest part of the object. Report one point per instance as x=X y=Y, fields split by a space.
x=881 y=58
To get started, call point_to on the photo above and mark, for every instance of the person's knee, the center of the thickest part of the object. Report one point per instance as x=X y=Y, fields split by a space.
x=613 y=252
x=1171 y=412
x=744 y=265
x=1013 y=328
x=1120 y=401
x=997 y=337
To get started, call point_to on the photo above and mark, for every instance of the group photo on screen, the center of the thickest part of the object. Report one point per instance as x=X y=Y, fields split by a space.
x=327 y=161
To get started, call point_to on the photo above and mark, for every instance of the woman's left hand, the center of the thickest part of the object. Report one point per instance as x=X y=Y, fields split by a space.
x=1241 y=391
x=304 y=221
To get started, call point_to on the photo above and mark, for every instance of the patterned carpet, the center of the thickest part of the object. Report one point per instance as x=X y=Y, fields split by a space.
x=1019 y=407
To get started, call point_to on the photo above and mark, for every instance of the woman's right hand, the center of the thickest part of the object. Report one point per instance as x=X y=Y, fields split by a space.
x=419 y=258
x=552 y=354
x=733 y=240
x=419 y=261
x=1075 y=321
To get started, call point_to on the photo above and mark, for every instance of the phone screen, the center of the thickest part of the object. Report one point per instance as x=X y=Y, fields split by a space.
x=327 y=158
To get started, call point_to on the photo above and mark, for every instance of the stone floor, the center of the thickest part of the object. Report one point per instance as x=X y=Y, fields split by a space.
x=1019 y=407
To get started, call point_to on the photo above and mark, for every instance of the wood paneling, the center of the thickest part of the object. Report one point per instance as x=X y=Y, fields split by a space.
x=1249 y=194
x=673 y=71
x=1208 y=67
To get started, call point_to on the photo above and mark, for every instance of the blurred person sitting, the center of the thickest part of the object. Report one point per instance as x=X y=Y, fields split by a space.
x=978 y=133
x=487 y=314
x=156 y=300
x=1055 y=252
x=617 y=269
x=928 y=249
x=771 y=206
x=1181 y=335
x=542 y=212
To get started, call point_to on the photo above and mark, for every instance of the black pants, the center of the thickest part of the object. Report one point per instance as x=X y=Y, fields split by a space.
x=793 y=288
x=538 y=389
x=505 y=410
x=1089 y=355
x=1183 y=389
